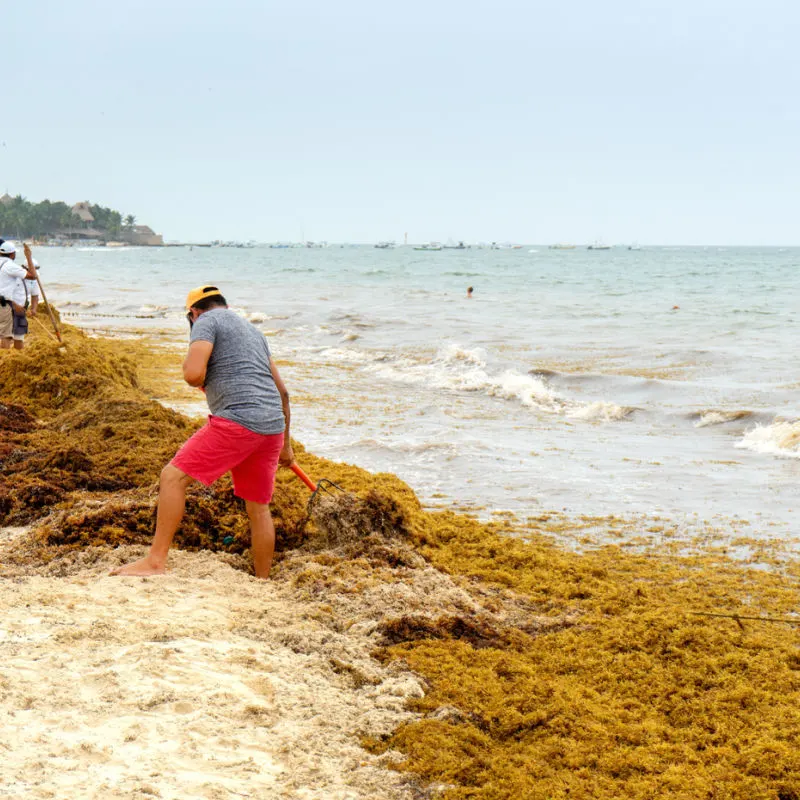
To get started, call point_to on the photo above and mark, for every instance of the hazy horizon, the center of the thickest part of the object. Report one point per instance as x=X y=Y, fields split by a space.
x=674 y=124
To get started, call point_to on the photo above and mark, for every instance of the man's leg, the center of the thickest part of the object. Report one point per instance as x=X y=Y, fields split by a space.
x=19 y=344
x=171 y=504
x=262 y=537
x=6 y=326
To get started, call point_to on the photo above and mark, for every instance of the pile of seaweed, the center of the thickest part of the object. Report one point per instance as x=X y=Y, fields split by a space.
x=83 y=444
x=564 y=676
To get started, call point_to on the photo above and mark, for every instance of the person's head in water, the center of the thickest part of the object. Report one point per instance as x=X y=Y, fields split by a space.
x=469 y=291
x=201 y=299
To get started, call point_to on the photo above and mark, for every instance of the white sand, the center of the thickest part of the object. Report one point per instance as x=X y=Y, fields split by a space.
x=204 y=683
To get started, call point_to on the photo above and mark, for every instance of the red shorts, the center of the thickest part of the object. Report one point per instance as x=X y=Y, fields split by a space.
x=222 y=446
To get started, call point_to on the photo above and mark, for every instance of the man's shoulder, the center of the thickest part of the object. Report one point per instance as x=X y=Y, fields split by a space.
x=218 y=321
x=225 y=319
x=10 y=268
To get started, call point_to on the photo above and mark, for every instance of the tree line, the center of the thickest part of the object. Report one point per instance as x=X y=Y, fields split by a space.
x=21 y=219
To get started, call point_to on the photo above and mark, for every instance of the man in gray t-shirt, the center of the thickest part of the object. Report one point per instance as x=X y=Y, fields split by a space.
x=247 y=433
x=238 y=382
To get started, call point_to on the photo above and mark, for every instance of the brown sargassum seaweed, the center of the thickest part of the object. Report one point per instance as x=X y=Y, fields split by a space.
x=600 y=684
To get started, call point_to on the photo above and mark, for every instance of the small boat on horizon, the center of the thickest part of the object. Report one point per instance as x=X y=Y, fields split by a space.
x=599 y=246
x=429 y=246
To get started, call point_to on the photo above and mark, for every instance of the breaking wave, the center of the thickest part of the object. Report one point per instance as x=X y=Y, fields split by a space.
x=458 y=369
x=718 y=417
x=781 y=438
x=602 y=412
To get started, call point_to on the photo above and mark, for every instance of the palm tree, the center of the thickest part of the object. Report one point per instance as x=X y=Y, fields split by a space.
x=130 y=221
x=70 y=220
x=18 y=212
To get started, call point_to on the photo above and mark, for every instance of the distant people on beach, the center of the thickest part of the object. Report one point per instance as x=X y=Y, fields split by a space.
x=247 y=433
x=32 y=286
x=14 y=296
x=469 y=292
x=31 y=304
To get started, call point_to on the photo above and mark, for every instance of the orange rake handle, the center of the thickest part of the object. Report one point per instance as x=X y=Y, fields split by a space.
x=295 y=467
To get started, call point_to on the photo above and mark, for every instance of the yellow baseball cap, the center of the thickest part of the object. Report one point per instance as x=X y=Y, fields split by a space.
x=200 y=293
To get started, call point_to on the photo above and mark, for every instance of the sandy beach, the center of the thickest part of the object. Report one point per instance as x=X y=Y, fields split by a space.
x=208 y=682
x=202 y=683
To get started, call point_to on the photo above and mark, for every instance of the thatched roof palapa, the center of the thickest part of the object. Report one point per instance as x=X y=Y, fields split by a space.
x=83 y=211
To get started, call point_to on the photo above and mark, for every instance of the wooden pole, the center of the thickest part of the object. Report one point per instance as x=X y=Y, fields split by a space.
x=41 y=324
x=29 y=257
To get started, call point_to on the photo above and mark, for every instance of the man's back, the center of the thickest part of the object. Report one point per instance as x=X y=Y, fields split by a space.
x=239 y=384
x=11 y=285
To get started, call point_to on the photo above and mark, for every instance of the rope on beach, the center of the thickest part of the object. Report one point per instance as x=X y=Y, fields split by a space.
x=111 y=316
x=738 y=617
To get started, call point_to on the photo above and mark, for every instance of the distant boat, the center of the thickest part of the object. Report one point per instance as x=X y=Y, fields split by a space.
x=385 y=245
x=634 y=246
x=429 y=246
x=459 y=246
x=599 y=246
x=562 y=246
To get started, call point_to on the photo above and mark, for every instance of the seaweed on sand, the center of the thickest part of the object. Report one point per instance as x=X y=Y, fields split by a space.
x=84 y=446
x=15 y=419
x=593 y=682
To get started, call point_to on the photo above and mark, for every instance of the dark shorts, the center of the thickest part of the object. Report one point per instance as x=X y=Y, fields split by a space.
x=19 y=326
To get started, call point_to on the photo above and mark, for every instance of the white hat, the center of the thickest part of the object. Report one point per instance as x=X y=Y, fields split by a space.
x=35 y=263
x=7 y=248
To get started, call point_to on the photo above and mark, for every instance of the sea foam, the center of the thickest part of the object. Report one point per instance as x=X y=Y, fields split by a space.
x=781 y=438
x=458 y=369
x=717 y=417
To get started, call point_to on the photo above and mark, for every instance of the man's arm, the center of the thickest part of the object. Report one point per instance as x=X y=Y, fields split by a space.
x=287 y=455
x=14 y=270
x=29 y=258
x=196 y=363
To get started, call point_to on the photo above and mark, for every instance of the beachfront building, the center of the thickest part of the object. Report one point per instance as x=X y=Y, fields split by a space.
x=143 y=235
x=6 y=199
x=83 y=212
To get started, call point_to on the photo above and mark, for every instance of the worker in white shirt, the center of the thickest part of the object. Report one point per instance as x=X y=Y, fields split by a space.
x=20 y=320
x=13 y=297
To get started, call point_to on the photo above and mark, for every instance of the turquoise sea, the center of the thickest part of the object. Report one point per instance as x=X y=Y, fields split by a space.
x=660 y=382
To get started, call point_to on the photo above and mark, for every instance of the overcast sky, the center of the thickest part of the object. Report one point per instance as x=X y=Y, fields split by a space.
x=672 y=122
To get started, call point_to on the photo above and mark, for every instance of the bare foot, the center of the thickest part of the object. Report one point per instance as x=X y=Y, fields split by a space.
x=142 y=567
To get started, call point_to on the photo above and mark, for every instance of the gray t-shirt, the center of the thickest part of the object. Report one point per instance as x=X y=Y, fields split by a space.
x=239 y=384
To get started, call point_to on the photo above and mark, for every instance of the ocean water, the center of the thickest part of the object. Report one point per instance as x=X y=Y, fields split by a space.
x=659 y=382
